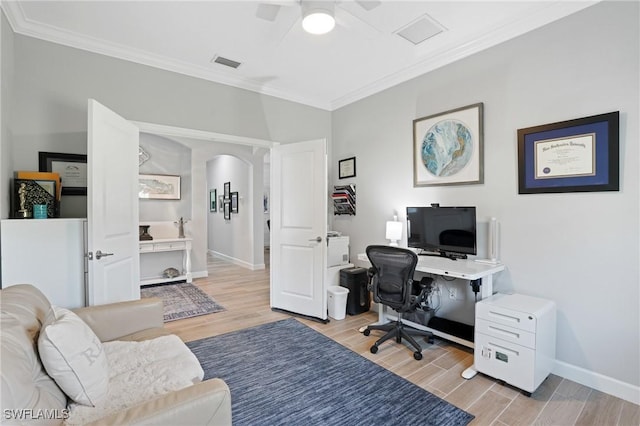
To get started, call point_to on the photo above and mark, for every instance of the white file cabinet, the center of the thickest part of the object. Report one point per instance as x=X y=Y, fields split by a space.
x=515 y=339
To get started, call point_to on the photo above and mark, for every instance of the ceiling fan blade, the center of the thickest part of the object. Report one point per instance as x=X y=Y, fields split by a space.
x=268 y=11
x=351 y=22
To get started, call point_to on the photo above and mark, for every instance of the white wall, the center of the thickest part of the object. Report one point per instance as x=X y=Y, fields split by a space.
x=579 y=249
x=232 y=238
x=167 y=157
x=6 y=89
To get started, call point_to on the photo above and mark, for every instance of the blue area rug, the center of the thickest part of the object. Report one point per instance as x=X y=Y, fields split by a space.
x=285 y=373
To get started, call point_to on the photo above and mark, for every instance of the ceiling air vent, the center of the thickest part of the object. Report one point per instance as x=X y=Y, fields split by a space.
x=420 y=30
x=225 y=61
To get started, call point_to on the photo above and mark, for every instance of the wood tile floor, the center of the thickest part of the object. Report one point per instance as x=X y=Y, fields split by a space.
x=245 y=295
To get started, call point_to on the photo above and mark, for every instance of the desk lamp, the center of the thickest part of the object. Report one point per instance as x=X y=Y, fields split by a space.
x=394 y=231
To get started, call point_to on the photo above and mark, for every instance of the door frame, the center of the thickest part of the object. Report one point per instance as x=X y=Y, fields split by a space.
x=199 y=216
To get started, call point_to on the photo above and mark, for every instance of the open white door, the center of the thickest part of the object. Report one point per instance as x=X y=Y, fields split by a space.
x=112 y=207
x=299 y=228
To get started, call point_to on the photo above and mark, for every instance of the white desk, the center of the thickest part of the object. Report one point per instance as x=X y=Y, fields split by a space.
x=169 y=244
x=465 y=269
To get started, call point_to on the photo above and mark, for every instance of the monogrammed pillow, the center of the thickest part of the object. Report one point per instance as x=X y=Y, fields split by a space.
x=73 y=356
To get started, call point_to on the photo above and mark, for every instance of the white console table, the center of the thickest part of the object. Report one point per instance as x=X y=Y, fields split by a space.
x=465 y=269
x=164 y=245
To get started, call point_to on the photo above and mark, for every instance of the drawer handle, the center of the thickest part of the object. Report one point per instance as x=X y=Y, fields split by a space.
x=505 y=332
x=505 y=317
x=516 y=353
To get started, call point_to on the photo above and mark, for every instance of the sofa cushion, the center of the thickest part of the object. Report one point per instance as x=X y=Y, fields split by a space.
x=25 y=383
x=141 y=371
x=73 y=356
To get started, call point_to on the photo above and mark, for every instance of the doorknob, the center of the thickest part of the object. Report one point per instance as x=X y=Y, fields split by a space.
x=316 y=239
x=99 y=255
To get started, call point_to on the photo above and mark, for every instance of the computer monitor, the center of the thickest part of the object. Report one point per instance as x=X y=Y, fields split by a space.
x=442 y=231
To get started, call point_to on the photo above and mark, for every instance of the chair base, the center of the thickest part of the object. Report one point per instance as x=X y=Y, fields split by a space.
x=399 y=331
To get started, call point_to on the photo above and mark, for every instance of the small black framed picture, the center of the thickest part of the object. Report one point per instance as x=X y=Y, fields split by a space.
x=227 y=190
x=212 y=200
x=227 y=210
x=234 y=202
x=347 y=168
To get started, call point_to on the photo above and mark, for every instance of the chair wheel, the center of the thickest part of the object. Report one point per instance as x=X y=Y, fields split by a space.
x=374 y=349
x=417 y=356
x=366 y=332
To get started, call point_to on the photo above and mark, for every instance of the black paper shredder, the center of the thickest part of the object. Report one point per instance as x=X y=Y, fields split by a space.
x=356 y=280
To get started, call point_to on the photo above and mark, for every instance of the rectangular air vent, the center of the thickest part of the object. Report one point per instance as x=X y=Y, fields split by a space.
x=420 y=30
x=225 y=61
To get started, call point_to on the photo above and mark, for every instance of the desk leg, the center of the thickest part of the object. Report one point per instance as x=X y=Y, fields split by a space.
x=469 y=373
x=486 y=290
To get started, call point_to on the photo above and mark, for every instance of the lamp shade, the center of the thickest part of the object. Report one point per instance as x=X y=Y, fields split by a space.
x=317 y=17
x=394 y=232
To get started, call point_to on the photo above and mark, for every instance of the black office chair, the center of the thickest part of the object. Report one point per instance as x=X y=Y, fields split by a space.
x=391 y=281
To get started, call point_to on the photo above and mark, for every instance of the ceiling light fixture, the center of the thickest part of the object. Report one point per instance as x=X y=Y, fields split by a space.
x=317 y=17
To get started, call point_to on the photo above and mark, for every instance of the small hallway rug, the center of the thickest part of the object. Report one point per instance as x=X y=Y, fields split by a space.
x=285 y=373
x=182 y=300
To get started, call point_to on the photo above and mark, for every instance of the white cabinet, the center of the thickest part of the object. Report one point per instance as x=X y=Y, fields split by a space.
x=515 y=339
x=49 y=254
x=152 y=248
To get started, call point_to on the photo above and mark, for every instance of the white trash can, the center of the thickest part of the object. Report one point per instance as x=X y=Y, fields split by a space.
x=337 y=301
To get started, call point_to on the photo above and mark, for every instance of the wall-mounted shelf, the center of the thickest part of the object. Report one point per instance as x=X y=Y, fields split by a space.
x=344 y=199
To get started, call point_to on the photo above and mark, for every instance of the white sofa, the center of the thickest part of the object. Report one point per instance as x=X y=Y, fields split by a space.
x=30 y=395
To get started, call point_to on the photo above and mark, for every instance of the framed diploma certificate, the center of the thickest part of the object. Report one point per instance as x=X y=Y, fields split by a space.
x=580 y=155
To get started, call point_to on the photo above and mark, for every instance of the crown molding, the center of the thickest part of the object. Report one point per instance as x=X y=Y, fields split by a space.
x=554 y=11
x=477 y=43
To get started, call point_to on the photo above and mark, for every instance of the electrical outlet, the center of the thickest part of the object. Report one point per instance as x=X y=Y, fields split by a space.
x=452 y=293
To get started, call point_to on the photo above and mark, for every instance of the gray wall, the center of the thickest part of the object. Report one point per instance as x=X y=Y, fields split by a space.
x=6 y=105
x=579 y=249
x=50 y=112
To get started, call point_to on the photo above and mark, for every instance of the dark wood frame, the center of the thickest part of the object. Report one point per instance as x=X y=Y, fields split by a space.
x=604 y=129
x=345 y=162
x=213 y=199
x=45 y=160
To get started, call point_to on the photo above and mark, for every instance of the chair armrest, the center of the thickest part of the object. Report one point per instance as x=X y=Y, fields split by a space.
x=205 y=403
x=119 y=319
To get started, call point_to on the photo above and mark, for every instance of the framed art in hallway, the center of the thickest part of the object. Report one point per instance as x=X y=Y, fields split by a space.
x=159 y=187
x=448 y=147
x=234 y=202
x=227 y=210
x=579 y=155
x=213 y=198
x=227 y=190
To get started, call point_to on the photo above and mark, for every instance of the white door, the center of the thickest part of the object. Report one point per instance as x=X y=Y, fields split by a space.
x=112 y=207
x=299 y=227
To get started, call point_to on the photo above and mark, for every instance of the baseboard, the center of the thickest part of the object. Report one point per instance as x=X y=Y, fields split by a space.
x=239 y=262
x=598 y=382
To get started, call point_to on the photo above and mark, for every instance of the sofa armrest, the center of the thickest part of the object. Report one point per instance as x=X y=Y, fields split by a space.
x=205 y=403
x=114 y=320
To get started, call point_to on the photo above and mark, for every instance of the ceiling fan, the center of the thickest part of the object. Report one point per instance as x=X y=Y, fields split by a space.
x=319 y=16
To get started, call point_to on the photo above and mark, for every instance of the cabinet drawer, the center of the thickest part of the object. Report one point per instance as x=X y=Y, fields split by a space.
x=506 y=333
x=144 y=248
x=505 y=361
x=169 y=246
x=508 y=317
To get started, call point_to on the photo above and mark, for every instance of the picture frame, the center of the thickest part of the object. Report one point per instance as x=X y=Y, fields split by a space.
x=234 y=202
x=72 y=169
x=227 y=190
x=578 y=155
x=158 y=187
x=213 y=199
x=448 y=147
x=347 y=168
x=220 y=203
x=227 y=210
